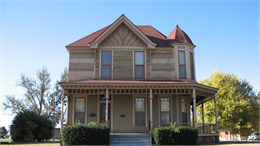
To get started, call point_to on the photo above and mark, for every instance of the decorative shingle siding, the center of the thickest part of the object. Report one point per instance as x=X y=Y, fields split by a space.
x=81 y=66
x=122 y=36
x=163 y=66
x=123 y=65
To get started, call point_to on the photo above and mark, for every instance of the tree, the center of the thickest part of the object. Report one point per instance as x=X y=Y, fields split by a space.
x=3 y=130
x=237 y=103
x=38 y=95
x=30 y=126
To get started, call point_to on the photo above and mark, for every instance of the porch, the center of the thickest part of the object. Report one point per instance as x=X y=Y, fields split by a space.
x=118 y=99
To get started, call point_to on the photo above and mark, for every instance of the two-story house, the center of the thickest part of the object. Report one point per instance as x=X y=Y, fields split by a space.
x=133 y=78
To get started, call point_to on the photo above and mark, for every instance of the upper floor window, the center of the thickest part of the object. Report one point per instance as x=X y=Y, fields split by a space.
x=139 y=65
x=80 y=110
x=184 y=110
x=191 y=66
x=106 y=65
x=182 y=65
x=165 y=110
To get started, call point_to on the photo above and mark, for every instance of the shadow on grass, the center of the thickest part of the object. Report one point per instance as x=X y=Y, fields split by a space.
x=52 y=143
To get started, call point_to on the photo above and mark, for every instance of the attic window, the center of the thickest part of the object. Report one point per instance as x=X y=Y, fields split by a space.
x=106 y=65
x=182 y=65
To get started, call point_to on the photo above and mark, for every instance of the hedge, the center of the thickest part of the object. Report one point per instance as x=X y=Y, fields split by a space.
x=172 y=135
x=85 y=134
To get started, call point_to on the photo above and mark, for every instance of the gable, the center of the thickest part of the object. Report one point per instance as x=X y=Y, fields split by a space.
x=122 y=20
x=123 y=36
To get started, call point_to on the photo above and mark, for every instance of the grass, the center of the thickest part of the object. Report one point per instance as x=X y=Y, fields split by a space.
x=49 y=143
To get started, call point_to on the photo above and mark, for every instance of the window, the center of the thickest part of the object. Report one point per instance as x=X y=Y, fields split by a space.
x=182 y=66
x=106 y=65
x=103 y=97
x=191 y=66
x=80 y=110
x=165 y=110
x=139 y=65
x=184 y=111
x=139 y=112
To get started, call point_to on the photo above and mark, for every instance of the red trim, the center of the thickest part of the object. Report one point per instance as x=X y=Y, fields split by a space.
x=79 y=69
x=139 y=65
x=134 y=41
x=140 y=112
x=126 y=36
x=81 y=52
x=162 y=53
x=165 y=111
x=79 y=112
x=115 y=38
x=182 y=64
x=111 y=41
x=106 y=64
x=122 y=39
x=163 y=69
x=130 y=39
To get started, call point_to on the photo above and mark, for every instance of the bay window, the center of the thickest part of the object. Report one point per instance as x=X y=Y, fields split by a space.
x=139 y=65
x=191 y=66
x=182 y=65
x=79 y=110
x=106 y=65
x=184 y=110
x=139 y=112
x=165 y=110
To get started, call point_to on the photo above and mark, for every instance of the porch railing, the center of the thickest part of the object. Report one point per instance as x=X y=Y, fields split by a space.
x=203 y=128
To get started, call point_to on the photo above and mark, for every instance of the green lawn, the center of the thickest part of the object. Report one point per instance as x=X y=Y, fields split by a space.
x=50 y=143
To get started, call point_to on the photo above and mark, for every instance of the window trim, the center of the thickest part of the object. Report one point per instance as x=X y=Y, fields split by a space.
x=106 y=64
x=139 y=65
x=140 y=112
x=185 y=98
x=192 y=66
x=79 y=112
x=165 y=111
x=182 y=65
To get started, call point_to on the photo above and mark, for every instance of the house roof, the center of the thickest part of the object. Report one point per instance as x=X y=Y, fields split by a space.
x=177 y=35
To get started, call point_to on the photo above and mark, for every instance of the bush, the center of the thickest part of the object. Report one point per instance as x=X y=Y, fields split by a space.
x=30 y=126
x=85 y=134
x=172 y=135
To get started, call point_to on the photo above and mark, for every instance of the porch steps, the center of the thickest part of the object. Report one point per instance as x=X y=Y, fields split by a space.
x=130 y=140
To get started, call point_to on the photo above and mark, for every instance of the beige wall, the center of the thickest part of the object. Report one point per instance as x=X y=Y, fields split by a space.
x=92 y=104
x=124 y=104
x=123 y=65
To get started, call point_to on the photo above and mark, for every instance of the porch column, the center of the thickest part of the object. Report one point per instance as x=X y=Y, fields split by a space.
x=194 y=108
x=216 y=114
x=151 y=110
x=202 y=109
x=61 y=115
x=107 y=97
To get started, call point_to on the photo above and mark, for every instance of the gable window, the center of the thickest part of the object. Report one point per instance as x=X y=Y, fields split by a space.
x=165 y=110
x=184 y=111
x=79 y=110
x=106 y=65
x=139 y=65
x=191 y=66
x=182 y=65
x=139 y=112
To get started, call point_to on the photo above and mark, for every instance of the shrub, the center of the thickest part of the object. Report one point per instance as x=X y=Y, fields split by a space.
x=172 y=135
x=30 y=126
x=85 y=134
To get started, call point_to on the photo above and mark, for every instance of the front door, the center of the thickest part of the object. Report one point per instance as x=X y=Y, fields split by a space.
x=103 y=113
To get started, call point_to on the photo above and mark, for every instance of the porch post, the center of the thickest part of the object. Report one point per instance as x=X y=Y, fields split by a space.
x=151 y=110
x=216 y=114
x=107 y=97
x=61 y=115
x=203 y=123
x=194 y=108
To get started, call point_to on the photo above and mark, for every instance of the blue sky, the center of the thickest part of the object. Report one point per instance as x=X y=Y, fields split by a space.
x=34 y=34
